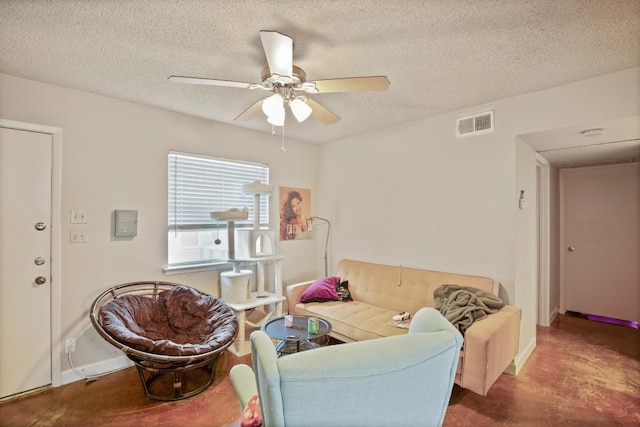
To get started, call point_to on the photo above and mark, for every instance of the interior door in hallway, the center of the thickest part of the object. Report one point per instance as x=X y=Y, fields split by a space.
x=601 y=241
x=25 y=271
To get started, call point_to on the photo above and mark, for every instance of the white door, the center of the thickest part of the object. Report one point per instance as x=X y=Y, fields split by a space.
x=25 y=267
x=601 y=244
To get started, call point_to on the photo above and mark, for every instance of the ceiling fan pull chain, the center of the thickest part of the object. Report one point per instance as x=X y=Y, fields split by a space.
x=273 y=130
x=282 y=146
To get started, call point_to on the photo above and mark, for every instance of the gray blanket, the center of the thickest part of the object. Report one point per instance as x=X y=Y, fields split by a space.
x=463 y=305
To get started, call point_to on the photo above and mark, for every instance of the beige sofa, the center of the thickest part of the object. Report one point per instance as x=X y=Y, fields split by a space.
x=381 y=291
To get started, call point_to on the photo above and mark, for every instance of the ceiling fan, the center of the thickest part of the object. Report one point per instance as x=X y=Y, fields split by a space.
x=289 y=85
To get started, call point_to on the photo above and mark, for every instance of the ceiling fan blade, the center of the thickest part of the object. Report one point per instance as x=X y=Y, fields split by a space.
x=250 y=112
x=321 y=112
x=353 y=84
x=278 y=49
x=211 y=82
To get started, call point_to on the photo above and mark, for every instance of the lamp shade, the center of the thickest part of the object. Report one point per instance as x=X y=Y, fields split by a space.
x=273 y=107
x=300 y=109
x=276 y=118
x=272 y=104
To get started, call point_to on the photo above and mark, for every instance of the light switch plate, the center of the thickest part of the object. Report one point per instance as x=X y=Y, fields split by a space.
x=79 y=217
x=78 y=236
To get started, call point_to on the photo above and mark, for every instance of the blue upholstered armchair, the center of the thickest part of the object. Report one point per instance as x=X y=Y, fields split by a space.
x=403 y=380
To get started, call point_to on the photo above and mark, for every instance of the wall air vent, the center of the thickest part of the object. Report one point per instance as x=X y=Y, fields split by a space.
x=476 y=124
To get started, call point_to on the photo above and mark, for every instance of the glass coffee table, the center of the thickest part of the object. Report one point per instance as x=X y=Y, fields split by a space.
x=296 y=337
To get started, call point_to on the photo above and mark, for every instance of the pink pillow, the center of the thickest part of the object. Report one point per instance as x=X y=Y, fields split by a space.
x=323 y=289
x=251 y=415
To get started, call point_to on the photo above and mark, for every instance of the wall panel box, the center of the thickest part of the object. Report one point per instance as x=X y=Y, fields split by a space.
x=126 y=223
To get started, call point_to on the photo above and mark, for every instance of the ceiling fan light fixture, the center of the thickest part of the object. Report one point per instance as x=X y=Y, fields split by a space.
x=276 y=117
x=300 y=109
x=272 y=105
x=273 y=108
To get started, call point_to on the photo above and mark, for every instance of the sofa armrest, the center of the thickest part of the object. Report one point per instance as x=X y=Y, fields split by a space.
x=244 y=383
x=490 y=345
x=293 y=294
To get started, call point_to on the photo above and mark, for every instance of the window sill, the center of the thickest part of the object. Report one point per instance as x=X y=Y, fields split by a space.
x=183 y=269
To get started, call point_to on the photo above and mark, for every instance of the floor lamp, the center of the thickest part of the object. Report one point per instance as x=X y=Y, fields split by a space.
x=326 y=243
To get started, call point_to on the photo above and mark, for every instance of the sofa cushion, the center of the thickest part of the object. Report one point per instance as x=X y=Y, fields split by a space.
x=401 y=288
x=180 y=322
x=323 y=289
x=355 y=320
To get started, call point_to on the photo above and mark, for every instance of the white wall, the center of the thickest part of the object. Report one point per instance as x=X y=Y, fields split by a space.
x=418 y=196
x=115 y=157
x=404 y=196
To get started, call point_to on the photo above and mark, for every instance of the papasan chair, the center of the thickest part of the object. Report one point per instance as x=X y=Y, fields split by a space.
x=167 y=330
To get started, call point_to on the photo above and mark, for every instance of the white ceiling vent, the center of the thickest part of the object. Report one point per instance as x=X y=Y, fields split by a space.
x=476 y=124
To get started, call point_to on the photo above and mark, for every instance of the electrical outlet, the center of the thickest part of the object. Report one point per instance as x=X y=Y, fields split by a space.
x=70 y=345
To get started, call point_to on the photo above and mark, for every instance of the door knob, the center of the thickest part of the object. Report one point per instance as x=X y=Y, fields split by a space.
x=571 y=249
x=40 y=226
x=40 y=280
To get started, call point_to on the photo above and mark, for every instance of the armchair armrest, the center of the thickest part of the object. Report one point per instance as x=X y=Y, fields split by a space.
x=293 y=294
x=244 y=383
x=428 y=319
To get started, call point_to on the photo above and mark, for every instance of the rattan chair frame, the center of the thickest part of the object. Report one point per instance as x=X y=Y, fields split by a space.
x=151 y=366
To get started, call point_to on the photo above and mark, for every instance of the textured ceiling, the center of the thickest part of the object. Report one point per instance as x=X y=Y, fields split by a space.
x=439 y=55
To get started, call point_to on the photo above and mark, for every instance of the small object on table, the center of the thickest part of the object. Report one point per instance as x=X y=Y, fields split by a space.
x=401 y=317
x=402 y=320
x=312 y=325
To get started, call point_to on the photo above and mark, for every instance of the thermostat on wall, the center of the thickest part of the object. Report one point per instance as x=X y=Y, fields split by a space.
x=126 y=223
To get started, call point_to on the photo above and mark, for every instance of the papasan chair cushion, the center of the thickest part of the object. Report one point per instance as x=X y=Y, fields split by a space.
x=179 y=322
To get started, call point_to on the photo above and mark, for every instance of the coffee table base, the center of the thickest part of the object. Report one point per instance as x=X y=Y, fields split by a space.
x=287 y=347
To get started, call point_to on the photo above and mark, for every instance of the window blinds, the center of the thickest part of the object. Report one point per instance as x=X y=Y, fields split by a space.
x=199 y=185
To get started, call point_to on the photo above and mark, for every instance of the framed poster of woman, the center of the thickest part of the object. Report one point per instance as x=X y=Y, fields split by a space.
x=295 y=204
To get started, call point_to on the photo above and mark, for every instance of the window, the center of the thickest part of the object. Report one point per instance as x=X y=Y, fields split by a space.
x=199 y=185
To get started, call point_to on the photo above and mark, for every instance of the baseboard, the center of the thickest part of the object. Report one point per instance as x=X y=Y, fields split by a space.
x=95 y=369
x=552 y=316
x=520 y=359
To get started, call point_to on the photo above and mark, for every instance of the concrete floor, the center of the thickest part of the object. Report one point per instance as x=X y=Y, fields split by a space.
x=582 y=373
